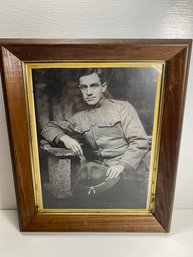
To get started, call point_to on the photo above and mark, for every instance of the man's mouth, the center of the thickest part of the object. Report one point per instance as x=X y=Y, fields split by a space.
x=90 y=99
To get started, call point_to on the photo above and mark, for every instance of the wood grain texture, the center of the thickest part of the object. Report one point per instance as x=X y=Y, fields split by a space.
x=176 y=54
x=175 y=91
x=95 y=49
x=96 y=223
x=19 y=135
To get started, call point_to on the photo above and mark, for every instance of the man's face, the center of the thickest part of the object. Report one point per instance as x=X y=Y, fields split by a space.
x=91 y=88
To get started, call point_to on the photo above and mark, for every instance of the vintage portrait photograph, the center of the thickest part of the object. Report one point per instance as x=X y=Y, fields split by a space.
x=94 y=134
x=94 y=129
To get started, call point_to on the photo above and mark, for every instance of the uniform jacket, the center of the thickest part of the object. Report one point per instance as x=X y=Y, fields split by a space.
x=112 y=132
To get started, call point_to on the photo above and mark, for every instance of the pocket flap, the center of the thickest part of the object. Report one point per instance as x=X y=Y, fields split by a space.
x=108 y=123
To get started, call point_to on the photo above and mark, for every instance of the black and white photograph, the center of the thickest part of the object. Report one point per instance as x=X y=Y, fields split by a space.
x=95 y=125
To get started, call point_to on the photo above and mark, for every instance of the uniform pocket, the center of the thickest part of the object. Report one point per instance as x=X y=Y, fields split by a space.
x=110 y=129
x=108 y=123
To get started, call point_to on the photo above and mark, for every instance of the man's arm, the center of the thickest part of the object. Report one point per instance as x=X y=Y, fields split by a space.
x=135 y=135
x=53 y=131
x=137 y=142
x=59 y=134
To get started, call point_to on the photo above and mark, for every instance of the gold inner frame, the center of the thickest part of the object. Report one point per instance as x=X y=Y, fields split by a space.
x=30 y=107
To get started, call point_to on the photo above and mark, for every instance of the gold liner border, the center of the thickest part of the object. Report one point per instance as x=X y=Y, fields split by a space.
x=28 y=84
x=60 y=63
x=96 y=211
x=158 y=112
x=97 y=64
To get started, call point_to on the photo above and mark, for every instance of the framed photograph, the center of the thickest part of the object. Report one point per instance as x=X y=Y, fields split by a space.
x=94 y=129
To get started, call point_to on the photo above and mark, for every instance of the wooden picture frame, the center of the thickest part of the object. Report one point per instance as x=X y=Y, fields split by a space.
x=17 y=55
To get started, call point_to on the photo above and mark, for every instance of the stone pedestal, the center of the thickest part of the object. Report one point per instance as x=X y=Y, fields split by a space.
x=59 y=171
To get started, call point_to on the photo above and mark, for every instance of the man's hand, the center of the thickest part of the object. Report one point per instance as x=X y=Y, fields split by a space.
x=72 y=144
x=114 y=171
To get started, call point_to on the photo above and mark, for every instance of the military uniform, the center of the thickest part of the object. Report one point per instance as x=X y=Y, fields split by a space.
x=113 y=134
x=112 y=131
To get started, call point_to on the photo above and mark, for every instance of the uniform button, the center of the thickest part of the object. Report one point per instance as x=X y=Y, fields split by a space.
x=93 y=125
x=97 y=137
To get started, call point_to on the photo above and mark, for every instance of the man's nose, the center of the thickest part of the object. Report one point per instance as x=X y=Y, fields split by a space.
x=89 y=91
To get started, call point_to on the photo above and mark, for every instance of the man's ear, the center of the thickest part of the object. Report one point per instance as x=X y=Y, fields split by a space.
x=104 y=86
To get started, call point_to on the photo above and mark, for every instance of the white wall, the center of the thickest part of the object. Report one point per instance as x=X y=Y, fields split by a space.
x=100 y=19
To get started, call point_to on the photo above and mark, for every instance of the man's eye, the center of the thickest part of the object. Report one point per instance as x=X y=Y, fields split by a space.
x=94 y=85
x=83 y=86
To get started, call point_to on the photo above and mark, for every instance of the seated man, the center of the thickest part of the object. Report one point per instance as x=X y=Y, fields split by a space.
x=115 y=140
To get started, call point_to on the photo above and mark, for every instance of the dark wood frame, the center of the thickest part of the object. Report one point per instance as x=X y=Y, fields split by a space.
x=176 y=53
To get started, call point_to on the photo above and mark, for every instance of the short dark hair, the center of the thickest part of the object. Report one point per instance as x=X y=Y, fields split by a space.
x=88 y=71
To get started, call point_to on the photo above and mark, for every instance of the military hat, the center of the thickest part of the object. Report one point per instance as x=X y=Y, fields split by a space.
x=93 y=178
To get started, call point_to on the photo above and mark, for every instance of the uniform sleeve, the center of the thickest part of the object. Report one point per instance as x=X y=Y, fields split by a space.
x=135 y=135
x=55 y=130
